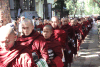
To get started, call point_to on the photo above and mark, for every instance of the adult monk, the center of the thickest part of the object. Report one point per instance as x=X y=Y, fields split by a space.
x=77 y=33
x=12 y=55
x=33 y=40
x=59 y=34
x=70 y=38
x=55 y=57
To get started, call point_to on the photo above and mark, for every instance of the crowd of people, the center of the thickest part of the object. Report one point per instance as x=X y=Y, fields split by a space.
x=42 y=43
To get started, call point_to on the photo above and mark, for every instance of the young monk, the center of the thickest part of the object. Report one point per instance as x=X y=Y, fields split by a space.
x=59 y=34
x=33 y=40
x=11 y=54
x=56 y=58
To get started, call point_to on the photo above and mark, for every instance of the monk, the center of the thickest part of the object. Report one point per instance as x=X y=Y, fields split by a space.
x=70 y=38
x=33 y=40
x=56 y=58
x=12 y=55
x=59 y=34
x=77 y=33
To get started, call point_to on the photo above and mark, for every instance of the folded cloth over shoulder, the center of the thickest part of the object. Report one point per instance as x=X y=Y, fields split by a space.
x=42 y=63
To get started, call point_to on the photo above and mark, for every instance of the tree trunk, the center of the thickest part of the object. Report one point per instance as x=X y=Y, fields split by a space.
x=46 y=9
x=75 y=12
x=62 y=4
x=5 y=11
x=96 y=2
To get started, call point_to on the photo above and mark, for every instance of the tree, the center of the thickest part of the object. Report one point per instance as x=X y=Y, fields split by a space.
x=72 y=7
x=5 y=11
x=74 y=2
x=59 y=6
x=91 y=7
x=98 y=2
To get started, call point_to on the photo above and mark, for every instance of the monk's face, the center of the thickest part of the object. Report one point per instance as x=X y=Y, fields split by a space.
x=7 y=41
x=47 y=32
x=27 y=28
x=45 y=21
x=72 y=22
x=66 y=21
x=54 y=22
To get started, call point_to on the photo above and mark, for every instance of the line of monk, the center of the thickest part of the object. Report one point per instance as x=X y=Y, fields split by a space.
x=52 y=44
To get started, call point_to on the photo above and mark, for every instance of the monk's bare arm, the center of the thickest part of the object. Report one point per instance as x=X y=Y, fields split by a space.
x=26 y=60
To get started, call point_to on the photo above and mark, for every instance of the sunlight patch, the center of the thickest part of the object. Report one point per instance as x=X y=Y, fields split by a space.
x=90 y=56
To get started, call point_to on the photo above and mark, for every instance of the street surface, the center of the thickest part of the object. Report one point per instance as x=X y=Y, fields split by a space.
x=89 y=53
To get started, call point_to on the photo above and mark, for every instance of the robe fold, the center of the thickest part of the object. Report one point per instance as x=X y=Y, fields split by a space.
x=70 y=31
x=36 y=43
x=56 y=47
x=60 y=35
x=18 y=56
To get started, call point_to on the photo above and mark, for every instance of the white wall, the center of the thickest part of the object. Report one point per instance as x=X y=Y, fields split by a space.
x=39 y=8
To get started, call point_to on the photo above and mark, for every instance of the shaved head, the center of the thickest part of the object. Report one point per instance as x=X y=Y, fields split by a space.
x=27 y=22
x=27 y=27
x=55 y=22
x=49 y=26
x=55 y=18
x=47 y=31
x=7 y=37
x=5 y=31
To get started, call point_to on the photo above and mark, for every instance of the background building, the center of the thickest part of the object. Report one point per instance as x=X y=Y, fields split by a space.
x=31 y=7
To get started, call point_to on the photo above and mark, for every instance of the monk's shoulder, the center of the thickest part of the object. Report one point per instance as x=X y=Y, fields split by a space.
x=59 y=31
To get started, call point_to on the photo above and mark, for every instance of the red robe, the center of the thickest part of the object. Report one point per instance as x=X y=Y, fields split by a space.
x=60 y=35
x=18 y=56
x=40 y=26
x=85 y=24
x=36 y=43
x=70 y=31
x=76 y=30
x=81 y=32
x=56 y=47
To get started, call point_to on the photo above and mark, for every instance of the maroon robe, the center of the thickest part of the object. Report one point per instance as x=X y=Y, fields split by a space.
x=81 y=32
x=76 y=30
x=60 y=35
x=85 y=24
x=56 y=47
x=36 y=43
x=18 y=56
x=70 y=31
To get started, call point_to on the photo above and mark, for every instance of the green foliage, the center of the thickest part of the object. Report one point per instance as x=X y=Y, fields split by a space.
x=58 y=4
x=89 y=7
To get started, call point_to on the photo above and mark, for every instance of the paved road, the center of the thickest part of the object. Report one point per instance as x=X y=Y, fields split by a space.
x=88 y=55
